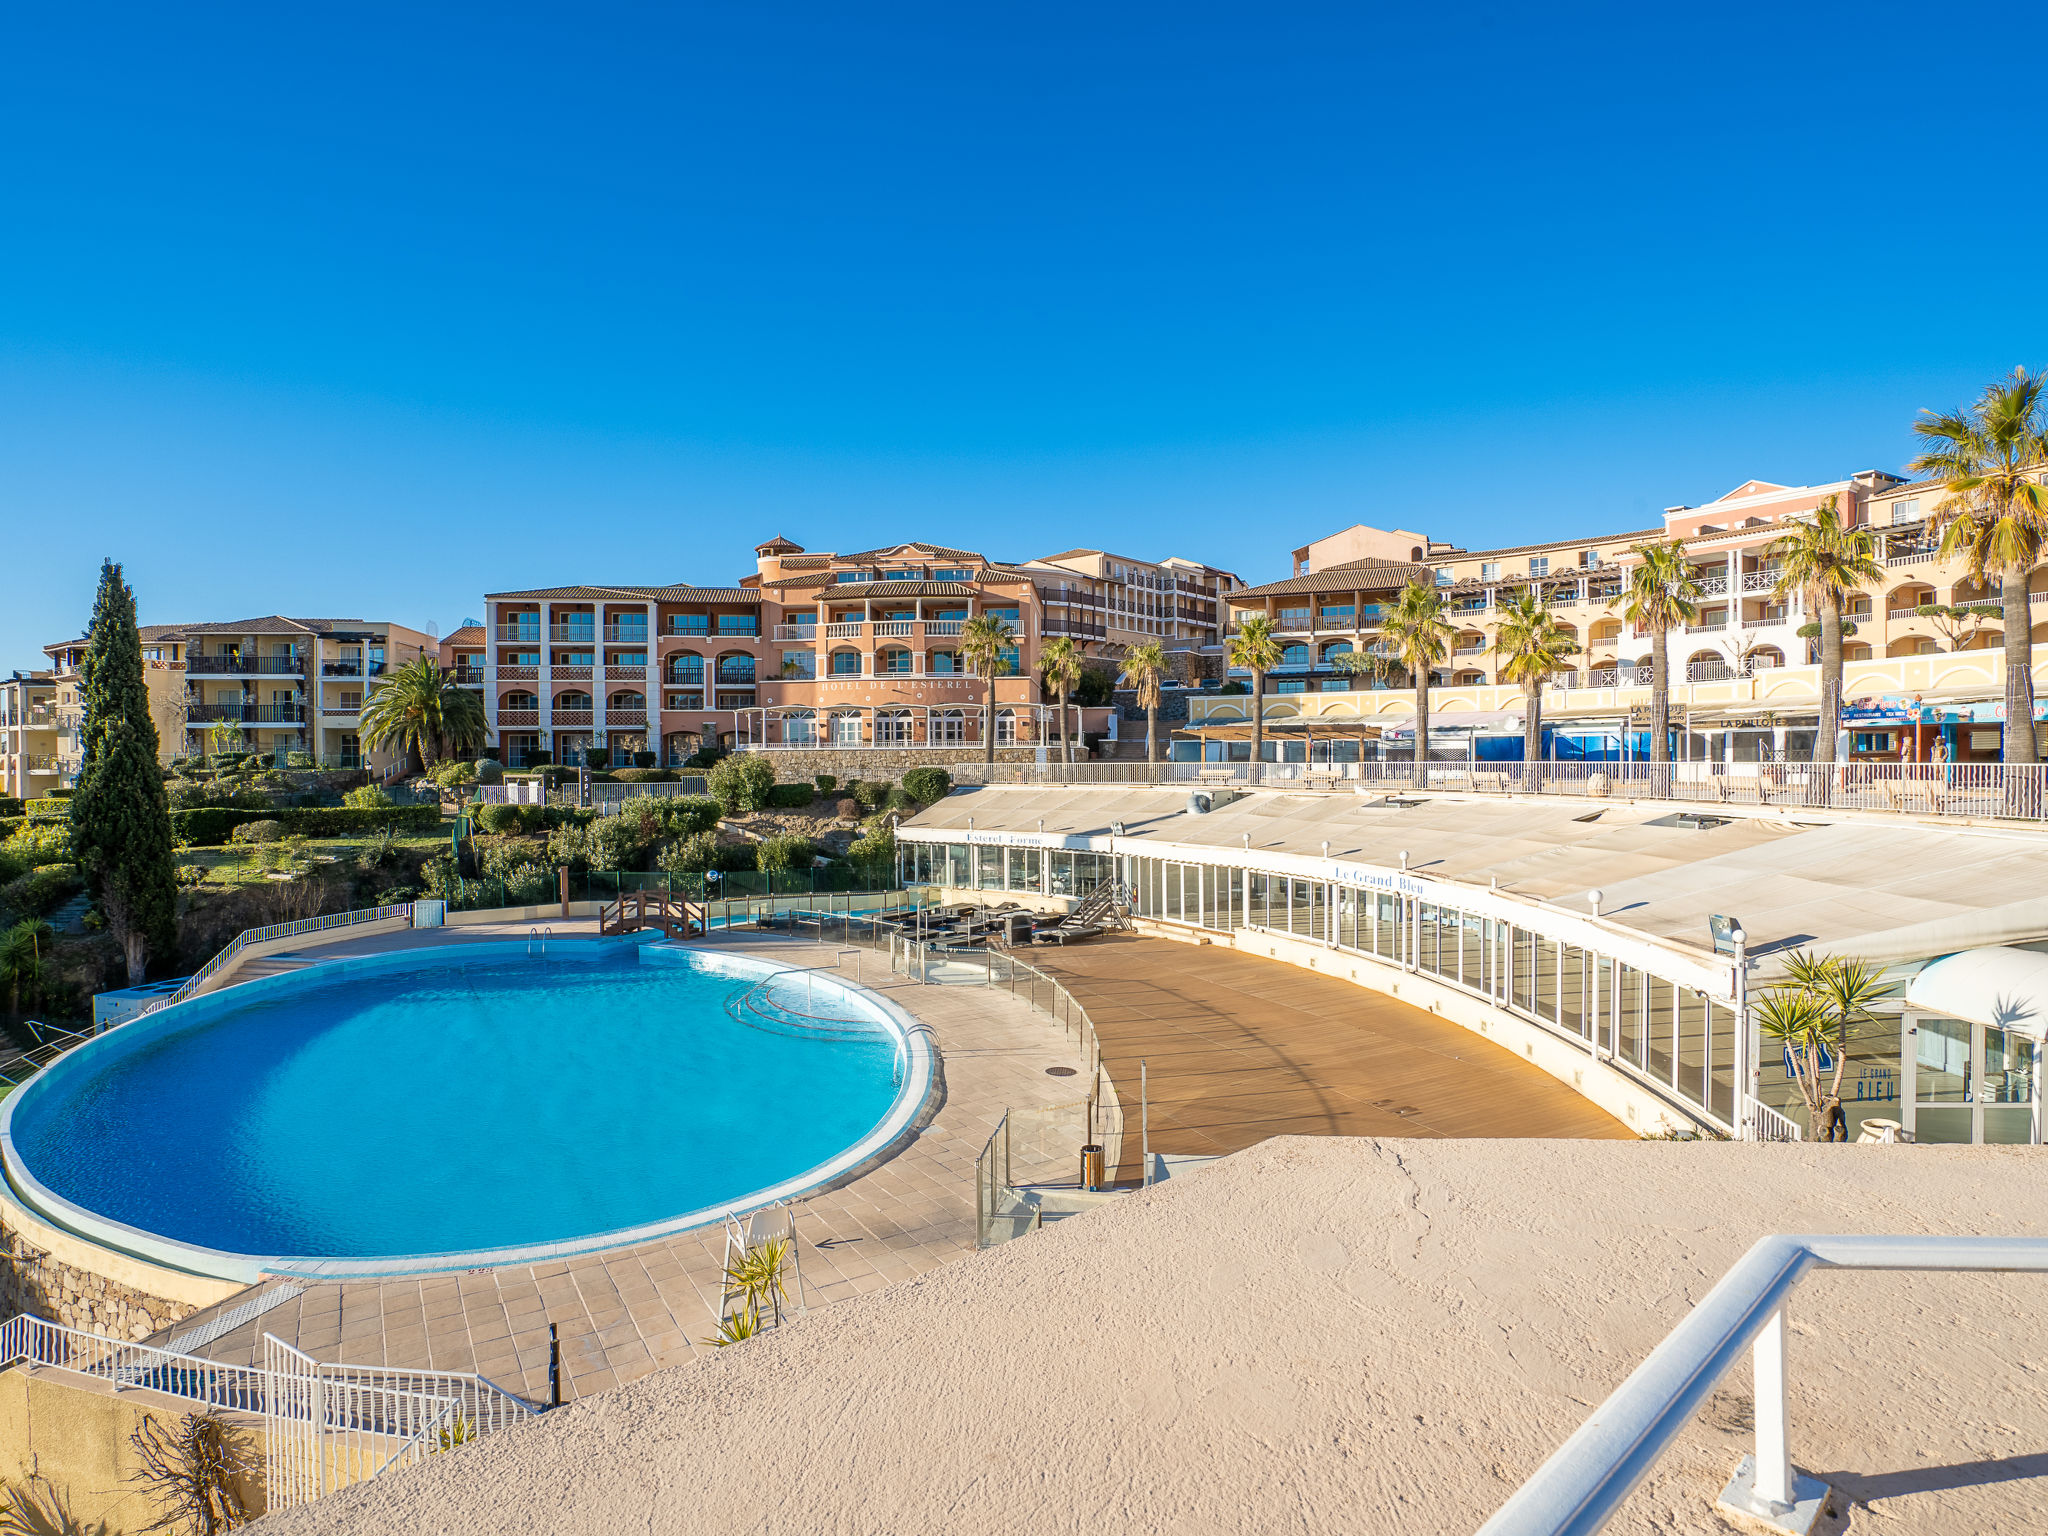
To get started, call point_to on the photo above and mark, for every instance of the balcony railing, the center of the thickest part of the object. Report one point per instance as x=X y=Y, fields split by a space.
x=572 y=718
x=571 y=674
x=1708 y=626
x=807 y=633
x=891 y=629
x=513 y=719
x=1713 y=586
x=519 y=674
x=1763 y=580
x=688 y=626
x=243 y=666
x=586 y=633
x=946 y=629
x=1909 y=557
x=625 y=717
x=850 y=631
x=473 y=677
x=341 y=669
x=519 y=634
x=625 y=634
x=614 y=674
x=735 y=677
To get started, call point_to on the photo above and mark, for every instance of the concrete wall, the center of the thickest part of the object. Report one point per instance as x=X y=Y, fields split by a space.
x=60 y=1276
x=72 y=1437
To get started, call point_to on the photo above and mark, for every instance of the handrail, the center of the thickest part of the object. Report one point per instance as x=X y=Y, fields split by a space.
x=249 y=936
x=1579 y=1489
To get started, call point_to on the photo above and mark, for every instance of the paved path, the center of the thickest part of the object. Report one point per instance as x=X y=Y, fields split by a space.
x=1240 y=1049
x=626 y=1313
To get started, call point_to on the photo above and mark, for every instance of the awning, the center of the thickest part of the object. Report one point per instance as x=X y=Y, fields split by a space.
x=1996 y=985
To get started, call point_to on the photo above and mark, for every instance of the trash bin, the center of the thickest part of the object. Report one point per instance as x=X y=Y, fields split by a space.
x=1091 y=1166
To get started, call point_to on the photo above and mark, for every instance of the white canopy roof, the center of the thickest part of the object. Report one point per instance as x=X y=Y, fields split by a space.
x=1997 y=985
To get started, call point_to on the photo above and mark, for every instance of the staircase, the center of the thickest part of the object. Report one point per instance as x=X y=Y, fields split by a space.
x=1128 y=749
x=70 y=918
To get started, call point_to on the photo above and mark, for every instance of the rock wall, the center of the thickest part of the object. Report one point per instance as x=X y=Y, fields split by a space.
x=31 y=1280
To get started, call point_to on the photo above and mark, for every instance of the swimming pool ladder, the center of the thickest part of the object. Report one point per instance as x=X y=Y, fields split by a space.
x=538 y=936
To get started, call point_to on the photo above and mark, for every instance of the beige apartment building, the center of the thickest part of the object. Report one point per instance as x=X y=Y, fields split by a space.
x=1111 y=602
x=1743 y=679
x=163 y=668
x=28 y=735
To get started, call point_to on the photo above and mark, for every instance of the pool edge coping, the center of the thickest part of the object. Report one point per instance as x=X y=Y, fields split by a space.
x=135 y=1245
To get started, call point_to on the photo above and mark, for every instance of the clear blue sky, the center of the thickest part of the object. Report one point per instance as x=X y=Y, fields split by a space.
x=372 y=308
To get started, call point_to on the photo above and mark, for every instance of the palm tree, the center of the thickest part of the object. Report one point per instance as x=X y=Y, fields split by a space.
x=421 y=708
x=1418 y=636
x=1662 y=593
x=1255 y=649
x=22 y=948
x=1532 y=647
x=1821 y=997
x=1145 y=665
x=1059 y=662
x=1989 y=459
x=986 y=643
x=1830 y=562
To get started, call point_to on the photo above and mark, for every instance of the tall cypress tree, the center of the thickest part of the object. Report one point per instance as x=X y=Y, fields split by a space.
x=120 y=816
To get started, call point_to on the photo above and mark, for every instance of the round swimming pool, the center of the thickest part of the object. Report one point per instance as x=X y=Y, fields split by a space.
x=462 y=1105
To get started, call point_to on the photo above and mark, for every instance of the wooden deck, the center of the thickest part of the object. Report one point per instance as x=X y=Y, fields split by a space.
x=1239 y=1049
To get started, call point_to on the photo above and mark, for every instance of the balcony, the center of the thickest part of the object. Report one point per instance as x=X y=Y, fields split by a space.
x=735 y=677
x=514 y=719
x=1713 y=586
x=243 y=666
x=519 y=674
x=738 y=629
x=341 y=669
x=1910 y=557
x=473 y=677
x=688 y=626
x=625 y=717
x=571 y=674
x=891 y=629
x=625 y=634
x=1764 y=580
x=805 y=633
x=851 y=631
x=623 y=674
x=573 y=634
x=949 y=629
x=1708 y=626
x=1078 y=628
x=570 y=719
x=340 y=711
x=519 y=634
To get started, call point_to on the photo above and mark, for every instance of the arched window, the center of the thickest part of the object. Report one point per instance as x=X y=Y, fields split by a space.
x=735 y=667
x=800 y=728
x=574 y=698
x=846 y=663
x=519 y=698
x=946 y=727
x=846 y=730
x=625 y=698
x=686 y=668
x=1295 y=655
x=894 y=659
x=892 y=726
x=1335 y=649
x=944 y=661
x=1006 y=727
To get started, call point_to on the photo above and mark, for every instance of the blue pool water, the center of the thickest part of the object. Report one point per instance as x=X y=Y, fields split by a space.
x=448 y=1101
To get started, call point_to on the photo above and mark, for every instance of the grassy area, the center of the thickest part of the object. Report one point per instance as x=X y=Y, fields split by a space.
x=240 y=863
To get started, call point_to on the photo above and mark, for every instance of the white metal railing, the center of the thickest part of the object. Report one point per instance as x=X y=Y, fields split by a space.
x=1584 y=1483
x=198 y=979
x=805 y=632
x=1765 y=580
x=1769 y=1125
x=1933 y=789
x=325 y=1426
x=1713 y=586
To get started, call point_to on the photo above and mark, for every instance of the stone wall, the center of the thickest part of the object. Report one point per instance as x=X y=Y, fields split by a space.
x=32 y=1280
x=793 y=767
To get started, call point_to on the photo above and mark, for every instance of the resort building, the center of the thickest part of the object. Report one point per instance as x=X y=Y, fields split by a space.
x=809 y=652
x=1744 y=682
x=163 y=663
x=28 y=735
x=1118 y=601
x=465 y=653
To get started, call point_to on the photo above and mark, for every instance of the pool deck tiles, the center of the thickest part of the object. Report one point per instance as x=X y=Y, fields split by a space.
x=622 y=1314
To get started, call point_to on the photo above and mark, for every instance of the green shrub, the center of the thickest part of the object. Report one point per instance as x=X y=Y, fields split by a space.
x=742 y=783
x=848 y=810
x=366 y=797
x=871 y=792
x=896 y=800
x=690 y=855
x=645 y=759
x=489 y=771
x=35 y=844
x=874 y=853
x=790 y=797
x=257 y=832
x=452 y=774
x=299 y=760
x=646 y=773
x=502 y=818
x=531 y=884
x=9 y=825
x=694 y=813
x=539 y=759
x=1231 y=689
x=41 y=891
x=597 y=757
x=776 y=853
x=192 y=874
x=826 y=782
x=927 y=786
x=62 y=794
x=50 y=806
x=10 y=806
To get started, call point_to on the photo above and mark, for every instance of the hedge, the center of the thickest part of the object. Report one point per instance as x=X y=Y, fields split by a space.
x=645 y=775
x=51 y=807
x=791 y=797
x=9 y=806
x=9 y=825
x=208 y=827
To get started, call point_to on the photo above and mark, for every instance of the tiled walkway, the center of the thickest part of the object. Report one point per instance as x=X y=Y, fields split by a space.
x=623 y=1314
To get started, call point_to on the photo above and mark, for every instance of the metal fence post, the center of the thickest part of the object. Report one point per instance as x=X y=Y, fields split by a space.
x=1773 y=1452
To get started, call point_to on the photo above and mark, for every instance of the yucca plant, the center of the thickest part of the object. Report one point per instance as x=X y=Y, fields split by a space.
x=1809 y=1013
x=38 y=1507
x=461 y=1432
x=743 y=1324
x=190 y=1472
